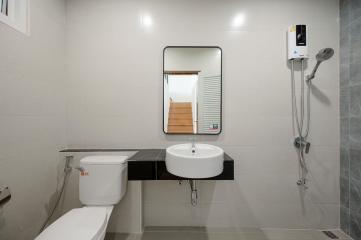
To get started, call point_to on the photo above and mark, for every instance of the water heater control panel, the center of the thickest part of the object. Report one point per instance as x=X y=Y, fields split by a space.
x=297 y=42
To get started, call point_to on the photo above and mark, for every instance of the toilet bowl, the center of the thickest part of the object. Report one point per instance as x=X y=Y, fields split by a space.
x=102 y=184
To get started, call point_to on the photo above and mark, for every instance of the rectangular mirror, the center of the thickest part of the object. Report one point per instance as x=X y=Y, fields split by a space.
x=192 y=90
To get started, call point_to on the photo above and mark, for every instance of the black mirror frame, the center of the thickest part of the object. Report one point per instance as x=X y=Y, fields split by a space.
x=221 y=107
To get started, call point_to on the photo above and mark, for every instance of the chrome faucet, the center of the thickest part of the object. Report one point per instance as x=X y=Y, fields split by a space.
x=193 y=145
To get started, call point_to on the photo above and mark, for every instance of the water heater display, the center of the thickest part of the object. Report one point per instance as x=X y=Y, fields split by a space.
x=297 y=42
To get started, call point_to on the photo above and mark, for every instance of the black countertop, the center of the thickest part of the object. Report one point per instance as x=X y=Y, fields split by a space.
x=149 y=164
x=141 y=155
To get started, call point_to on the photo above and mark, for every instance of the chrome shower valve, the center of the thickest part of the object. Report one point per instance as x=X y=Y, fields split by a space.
x=301 y=142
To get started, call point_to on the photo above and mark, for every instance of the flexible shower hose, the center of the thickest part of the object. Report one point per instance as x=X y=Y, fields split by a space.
x=66 y=172
x=300 y=122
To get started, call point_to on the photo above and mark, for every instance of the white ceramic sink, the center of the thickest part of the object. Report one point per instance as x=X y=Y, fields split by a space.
x=206 y=161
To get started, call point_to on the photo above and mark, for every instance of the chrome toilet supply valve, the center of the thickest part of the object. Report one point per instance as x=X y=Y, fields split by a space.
x=5 y=195
x=68 y=160
x=68 y=167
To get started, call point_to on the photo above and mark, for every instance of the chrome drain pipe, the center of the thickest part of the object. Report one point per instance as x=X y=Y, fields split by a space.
x=194 y=195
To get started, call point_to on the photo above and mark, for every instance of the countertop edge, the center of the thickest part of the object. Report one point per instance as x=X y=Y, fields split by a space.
x=146 y=154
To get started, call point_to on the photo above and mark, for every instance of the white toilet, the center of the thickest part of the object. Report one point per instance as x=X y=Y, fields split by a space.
x=102 y=183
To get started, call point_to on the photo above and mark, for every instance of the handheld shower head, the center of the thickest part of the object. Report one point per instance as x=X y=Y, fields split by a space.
x=323 y=55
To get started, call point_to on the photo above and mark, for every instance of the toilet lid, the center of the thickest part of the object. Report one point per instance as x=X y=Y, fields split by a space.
x=77 y=224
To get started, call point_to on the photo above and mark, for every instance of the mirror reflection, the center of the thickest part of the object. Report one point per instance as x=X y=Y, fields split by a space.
x=192 y=90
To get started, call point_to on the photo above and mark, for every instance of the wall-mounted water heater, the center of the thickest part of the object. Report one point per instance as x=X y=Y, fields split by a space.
x=297 y=42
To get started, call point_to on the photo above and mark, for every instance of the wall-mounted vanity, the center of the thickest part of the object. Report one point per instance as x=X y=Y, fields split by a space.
x=142 y=164
x=149 y=164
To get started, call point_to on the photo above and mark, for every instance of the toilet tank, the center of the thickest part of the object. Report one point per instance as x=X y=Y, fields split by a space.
x=102 y=180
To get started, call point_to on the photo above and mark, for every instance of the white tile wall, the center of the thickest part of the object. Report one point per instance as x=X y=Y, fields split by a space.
x=115 y=100
x=32 y=118
x=113 y=85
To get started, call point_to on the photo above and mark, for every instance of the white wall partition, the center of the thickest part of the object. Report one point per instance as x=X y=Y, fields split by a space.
x=115 y=88
x=90 y=76
x=32 y=118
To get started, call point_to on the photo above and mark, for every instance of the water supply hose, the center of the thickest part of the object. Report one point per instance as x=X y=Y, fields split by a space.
x=67 y=170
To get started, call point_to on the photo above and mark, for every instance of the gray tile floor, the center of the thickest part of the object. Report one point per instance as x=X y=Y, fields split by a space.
x=200 y=233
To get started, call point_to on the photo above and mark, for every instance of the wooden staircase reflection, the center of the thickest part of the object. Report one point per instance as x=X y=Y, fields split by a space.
x=180 y=118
